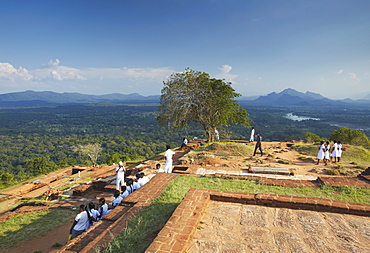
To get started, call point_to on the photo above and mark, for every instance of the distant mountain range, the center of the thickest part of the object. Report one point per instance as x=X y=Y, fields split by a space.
x=48 y=98
x=291 y=97
x=288 y=97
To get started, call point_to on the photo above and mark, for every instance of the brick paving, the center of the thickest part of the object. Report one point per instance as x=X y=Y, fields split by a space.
x=216 y=221
x=231 y=227
x=346 y=181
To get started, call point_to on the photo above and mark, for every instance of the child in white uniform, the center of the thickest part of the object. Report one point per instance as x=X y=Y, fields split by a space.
x=79 y=224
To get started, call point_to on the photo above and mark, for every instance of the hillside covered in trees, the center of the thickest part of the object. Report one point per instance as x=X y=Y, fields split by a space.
x=38 y=140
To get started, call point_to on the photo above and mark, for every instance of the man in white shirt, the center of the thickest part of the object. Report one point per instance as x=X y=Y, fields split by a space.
x=168 y=156
x=120 y=172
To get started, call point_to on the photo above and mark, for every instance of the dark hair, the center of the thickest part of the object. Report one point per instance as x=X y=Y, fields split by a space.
x=83 y=206
x=158 y=165
x=168 y=146
x=123 y=188
x=91 y=205
x=129 y=181
x=116 y=193
x=102 y=200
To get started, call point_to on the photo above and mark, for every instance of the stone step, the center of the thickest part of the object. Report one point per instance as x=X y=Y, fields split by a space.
x=267 y=170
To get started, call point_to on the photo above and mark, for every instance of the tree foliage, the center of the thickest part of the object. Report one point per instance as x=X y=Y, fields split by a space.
x=91 y=150
x=311 y=137
x=40 y=165
x=350 y=136
x=194 y=97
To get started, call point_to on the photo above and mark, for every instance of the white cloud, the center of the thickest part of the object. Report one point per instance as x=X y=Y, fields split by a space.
x=353 y=76
x=55 y=77
x=58 y=73
x=8 y=72
x=54 y=63
x=127 y=73
x=340 y=71
x=225 y=73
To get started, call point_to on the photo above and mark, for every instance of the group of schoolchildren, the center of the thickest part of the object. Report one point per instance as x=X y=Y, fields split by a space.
x=87 y=216
x=124 y=187
x=326 y=153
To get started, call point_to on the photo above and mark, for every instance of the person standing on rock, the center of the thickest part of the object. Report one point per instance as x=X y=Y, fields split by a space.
x=326 y=152
x=333 y=155
x=120 y=179
x=251 y=139
x=339 y=151
x=217 y=135
x=258 y=145
x=168 y=156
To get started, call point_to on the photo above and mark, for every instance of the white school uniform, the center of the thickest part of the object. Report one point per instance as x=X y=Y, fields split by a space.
x=143 y=180
x=117 y=201
x=320 y=154
x=339 y=150
x=81 y=219
x=252 y=135
x=335 y=151
x=168 y=166
x=326 y=152
x=103 y=210
x=120 y=181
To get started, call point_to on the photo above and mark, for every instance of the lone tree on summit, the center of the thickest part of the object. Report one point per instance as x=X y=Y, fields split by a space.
x=193 y=97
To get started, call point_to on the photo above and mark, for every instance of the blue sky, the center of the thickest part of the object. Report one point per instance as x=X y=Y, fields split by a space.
x=111 y=46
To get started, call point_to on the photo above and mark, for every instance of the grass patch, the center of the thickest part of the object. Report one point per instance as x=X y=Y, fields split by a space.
x=57 y=245
x=220 y=150
x=140 y=231
x=309 y=149
x=30 y=225
x=357 y=154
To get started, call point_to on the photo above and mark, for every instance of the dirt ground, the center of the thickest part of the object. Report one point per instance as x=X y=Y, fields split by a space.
x=44 y=243
x=281 y=156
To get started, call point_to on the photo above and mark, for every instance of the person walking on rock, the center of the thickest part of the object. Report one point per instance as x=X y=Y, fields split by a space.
x=321 y=153
x=258 y=145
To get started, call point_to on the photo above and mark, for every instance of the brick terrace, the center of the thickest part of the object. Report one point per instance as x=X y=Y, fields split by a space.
x=182 y=225
x=185 y=222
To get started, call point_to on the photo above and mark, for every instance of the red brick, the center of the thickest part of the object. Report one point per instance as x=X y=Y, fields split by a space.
x=178 y=246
